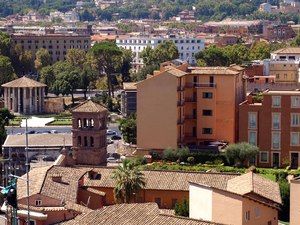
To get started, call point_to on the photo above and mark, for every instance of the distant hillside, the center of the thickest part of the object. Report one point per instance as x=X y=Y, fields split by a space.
x=9 y=7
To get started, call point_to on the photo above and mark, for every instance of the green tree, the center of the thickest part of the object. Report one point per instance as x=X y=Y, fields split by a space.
x=106 y=54
x=42 y=59
x=296 y=41
x=128 y=128
x=75 y=57
x=127 y=59
x=213 y=56
x=22 y=60
x=237 y=154
x=260 y=50
x=284 y=213
x=5 y=116
x=6 y=71
x=87 y=77
x=47 y=77
x=5 y=43
x=129 y=181
x=237 y=53
x=165 y=51
x=147 y=56
x=182 y=209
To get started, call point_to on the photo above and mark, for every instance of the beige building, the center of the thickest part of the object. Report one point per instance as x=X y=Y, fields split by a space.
x=294 y=201
x=188 y=106
x=251 y=199
x=56 y=44
x=24 y=96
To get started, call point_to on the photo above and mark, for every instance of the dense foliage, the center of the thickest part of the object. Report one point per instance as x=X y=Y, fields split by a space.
x=182 y=209
x=128 y=128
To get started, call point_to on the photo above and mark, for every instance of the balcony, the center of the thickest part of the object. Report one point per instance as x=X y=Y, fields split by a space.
x=191 y=117
x=180 y=88
x=206 y=85
x=180 y=121
x=180 y=103
x=189 y=99
x=190 y=84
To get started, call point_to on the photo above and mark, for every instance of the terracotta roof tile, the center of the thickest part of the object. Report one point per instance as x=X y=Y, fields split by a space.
x=24 y=82
x=213 y=70
x=287 y=51
x=132 y=214
x=89 y=106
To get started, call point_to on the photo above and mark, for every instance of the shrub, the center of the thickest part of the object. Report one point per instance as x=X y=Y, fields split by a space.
x=182 y=209
x=284 y=213
x=237 y=154
x=155 y=155
x=183 y=154
x=170 y=154
x=191 y=160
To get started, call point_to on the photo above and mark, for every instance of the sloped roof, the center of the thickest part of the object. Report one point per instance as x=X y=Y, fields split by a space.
x=164 y=180
x=253 y=183
x=24 y=82
x=287 y=51
x=213 y=70
x=132 y=214
x=89 y=106
x=36 y=177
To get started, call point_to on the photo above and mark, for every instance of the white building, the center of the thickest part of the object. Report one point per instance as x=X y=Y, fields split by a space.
x=187 y=46
x=286 y=54
x=70 y=16
x=265 y=7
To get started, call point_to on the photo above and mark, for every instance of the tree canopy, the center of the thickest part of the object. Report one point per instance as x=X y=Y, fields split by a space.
x=129 y=181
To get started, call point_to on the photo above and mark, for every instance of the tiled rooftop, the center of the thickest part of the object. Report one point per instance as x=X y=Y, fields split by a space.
x=133 y=214
x=24 y=82
x=89 y=106
x=287 y=51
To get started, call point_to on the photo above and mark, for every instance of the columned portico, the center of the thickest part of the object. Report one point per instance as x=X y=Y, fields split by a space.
x=24 y=96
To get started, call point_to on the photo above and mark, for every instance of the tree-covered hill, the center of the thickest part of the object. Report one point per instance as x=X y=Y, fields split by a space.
x=9 y=7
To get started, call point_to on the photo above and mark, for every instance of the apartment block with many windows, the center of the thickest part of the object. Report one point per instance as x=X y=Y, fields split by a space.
x=272 y=124
x=56 y=44
x=188 y=106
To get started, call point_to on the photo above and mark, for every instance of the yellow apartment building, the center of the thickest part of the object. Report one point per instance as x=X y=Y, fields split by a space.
x=285 y=71
x=188 y=106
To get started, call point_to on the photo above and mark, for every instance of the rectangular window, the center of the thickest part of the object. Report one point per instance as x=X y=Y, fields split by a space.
x=252 y=138
x=207 y=95
x=38 y=202
x=275 y=140
x=207 y=112
x=295 y=119
x=295 y=102
x=252 y=120
x=257 y=212
x=276 y=121
x=263 y=157
x=207 y=131
x=247 y=215
x=294 y=138
x=276 y=101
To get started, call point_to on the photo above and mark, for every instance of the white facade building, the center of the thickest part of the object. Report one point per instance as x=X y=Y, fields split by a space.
x=187 y=46
x=265 y=7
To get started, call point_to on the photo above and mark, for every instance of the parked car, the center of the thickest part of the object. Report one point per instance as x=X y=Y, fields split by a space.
x=48 y=158
x=32 y=132
x=110 y=132
x=116 y=137
x=109 y=141
x=111 y=159
x=53 y=131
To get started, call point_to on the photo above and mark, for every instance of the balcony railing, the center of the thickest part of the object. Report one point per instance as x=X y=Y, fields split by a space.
x=187 y=99
x=180 y=88
x=206 y=85
x=180 y=121
x=180 y=103
x=190 y=117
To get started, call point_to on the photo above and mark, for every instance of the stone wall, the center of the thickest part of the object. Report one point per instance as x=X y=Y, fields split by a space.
x=54 y=105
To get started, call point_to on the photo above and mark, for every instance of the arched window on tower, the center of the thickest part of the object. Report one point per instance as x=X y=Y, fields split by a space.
x=85 y=141
x=79 y=140
x=92 y=141
x=84 y=122
x=91 y=123
x=79 y=123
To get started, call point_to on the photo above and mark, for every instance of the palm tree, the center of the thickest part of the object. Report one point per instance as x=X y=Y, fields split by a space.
x=129 y=180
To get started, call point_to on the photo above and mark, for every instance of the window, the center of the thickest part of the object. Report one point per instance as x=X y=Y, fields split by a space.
x=263 y=157
x=158 y=201
x=207 y=112
x=295 y=102
x=275 y=140
x=38 y=202
x=207 y=95
x=294 y=138
x=247 y=215
x=256 y=212
x=276 y=121
x=295 y=119
x=276 y=101
x=207 y=131
x=252 y=120
x=252 y=138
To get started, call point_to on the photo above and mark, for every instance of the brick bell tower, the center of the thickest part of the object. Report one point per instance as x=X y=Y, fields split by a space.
x=89 y=125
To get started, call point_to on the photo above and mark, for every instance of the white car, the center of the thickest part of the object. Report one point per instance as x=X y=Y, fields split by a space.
x=111 y=160
x=110 y=132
